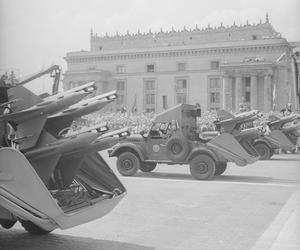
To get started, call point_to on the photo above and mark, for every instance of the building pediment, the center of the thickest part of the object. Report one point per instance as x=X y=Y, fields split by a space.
x=248 y=67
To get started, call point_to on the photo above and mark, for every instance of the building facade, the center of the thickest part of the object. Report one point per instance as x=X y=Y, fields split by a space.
x=216 y=67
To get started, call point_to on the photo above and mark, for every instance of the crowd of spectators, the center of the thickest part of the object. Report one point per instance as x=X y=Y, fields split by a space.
x=137 y=122
x=116 y=120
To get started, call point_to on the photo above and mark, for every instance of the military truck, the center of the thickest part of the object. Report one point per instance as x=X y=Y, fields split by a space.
x=282 y=133
x=51 y=176
x=174 y=139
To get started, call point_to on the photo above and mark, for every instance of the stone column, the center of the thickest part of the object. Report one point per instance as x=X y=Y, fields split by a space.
x=267 y=93
x=254 y=92
x=238 y=91
x=226 y=93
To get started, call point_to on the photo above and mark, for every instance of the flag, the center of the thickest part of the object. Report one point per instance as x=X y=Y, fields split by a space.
x=134 y=105
x=274 y=93
x=274 y=96
x=280 y=57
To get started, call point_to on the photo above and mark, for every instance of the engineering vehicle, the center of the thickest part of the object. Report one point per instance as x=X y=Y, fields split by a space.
x=174 y=139
x=51 y=177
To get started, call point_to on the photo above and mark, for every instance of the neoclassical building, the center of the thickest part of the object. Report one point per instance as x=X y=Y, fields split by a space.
x=217 y=67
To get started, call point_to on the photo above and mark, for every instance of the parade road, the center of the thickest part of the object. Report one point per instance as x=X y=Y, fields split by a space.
x=252 y=207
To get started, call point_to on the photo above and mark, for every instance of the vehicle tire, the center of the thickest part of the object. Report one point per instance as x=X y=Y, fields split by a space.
x=128 y=164
x=177 y=148
x=147 y=166
x=220 y=168
x=264 y=151
x=202 y=167
x=32 y=228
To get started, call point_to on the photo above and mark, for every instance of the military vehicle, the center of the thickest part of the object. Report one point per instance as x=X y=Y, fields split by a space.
x=282 y=133
x=174 y=139
x=278 y=133
x=242 y=128
x=50 y=176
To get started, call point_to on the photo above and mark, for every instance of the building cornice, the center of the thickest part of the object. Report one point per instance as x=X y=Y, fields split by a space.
x=148 y=75
x=188 y=51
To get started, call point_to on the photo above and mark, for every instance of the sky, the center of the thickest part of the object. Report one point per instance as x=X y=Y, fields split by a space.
x=37 y=33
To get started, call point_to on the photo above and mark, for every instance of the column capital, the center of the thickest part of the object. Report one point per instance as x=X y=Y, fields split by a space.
x=238 y=73
x=269 y=72
x=226 y=76
x=267 y=76
x=254 y=74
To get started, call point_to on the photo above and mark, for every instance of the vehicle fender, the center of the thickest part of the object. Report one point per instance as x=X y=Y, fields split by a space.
x=128 y=147
x=263 y=140
x=205 y=151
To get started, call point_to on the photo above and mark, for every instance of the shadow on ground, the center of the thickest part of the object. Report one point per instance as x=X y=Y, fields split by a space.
x=284 y=159
x=222 y=178
x=15 y=239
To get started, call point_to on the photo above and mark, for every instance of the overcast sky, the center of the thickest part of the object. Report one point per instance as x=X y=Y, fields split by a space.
x=37 y=33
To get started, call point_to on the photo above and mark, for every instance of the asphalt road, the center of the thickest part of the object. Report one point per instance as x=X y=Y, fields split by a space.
x=252 y=207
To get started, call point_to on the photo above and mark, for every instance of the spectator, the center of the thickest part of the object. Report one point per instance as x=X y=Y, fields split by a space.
x=123 y=109
x=287 y=110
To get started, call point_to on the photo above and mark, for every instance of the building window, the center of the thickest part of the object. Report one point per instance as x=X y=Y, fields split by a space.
x=214 y=65
x=120 y=85
x=181 y=66
x=247 y=81
x=254 y=37
x=121 y=100
x=165 y=102
x=247 y=90
x=214 y=92
x=149 y=95
x=181 y=91
x=214 y=97
x=150 y=85
x=120 y=69
x=214 y=83
x=150 y=99
x=247 y=96
x=150 y=67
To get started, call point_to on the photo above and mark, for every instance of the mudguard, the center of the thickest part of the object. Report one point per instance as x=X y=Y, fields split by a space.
x=124 y=146
x=226 y=145
x=279 y=140
x=266 y=141
x=207 y=151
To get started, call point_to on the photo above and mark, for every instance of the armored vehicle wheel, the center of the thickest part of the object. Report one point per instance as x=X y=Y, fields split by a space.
x=220 y=168
x=32 y=228
x=263 y=150
x=177 y=148
x=202 y=167
x=128 y=164
x=147 y=166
